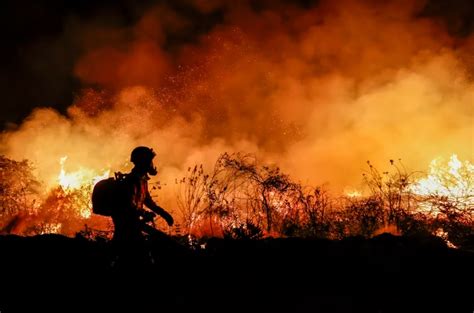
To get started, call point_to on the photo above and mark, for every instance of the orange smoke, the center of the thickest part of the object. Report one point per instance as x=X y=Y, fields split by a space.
x=317 y=90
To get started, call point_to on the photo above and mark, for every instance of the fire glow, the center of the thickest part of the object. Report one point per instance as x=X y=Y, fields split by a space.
x=79 y=178
x=315 y=90
x=454 y=179
x=81 y=182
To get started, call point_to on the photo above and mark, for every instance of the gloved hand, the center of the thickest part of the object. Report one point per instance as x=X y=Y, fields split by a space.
x=168 y=218
x=148 y=216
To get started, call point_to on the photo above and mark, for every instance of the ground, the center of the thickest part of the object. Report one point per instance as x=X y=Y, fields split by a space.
x=382 y=274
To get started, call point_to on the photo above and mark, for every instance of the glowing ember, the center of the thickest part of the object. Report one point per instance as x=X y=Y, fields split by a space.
x=51 y=228
x=444 y=235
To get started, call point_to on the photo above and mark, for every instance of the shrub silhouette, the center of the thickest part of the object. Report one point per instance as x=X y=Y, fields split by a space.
x=239 y=194
x=241 y=198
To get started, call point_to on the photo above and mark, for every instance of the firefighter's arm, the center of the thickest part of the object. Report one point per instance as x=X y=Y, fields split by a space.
x=158 y=210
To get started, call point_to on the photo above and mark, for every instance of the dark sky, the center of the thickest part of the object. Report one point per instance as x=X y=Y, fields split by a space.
x=37 y=57
x=39 y=48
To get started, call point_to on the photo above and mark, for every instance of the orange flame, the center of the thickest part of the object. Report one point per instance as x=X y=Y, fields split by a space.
x=453 y=180
x=77 y=179
x=51 y=228
x=84 y=178
x=352 y=193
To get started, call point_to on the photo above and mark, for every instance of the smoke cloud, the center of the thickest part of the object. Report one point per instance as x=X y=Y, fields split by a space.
x=317 y=90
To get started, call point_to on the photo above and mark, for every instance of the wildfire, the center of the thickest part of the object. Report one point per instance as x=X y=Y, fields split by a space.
x=82 y=181
x=453 y=180
x=352 y=193
x=51 y=228
x=77 y=179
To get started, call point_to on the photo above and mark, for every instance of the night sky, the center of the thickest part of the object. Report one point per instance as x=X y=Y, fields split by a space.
x=40 y=43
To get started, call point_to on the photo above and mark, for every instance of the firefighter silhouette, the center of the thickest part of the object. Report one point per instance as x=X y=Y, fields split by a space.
x=130 y=217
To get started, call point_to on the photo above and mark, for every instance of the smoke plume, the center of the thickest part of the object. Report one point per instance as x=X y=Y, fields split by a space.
x=317 y=89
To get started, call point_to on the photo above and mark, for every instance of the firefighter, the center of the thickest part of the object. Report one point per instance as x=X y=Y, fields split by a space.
x=130 y=217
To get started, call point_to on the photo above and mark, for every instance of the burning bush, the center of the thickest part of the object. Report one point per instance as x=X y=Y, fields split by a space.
x=19 y=193
x=238 y=192
x=241 y=198
x=28 y=207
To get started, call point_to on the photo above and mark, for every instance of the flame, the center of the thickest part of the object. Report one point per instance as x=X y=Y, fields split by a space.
x=51 y=228
x=444 y=235
x=352 y=193
x=455 y=178
x=81 y=180
x=452 y=180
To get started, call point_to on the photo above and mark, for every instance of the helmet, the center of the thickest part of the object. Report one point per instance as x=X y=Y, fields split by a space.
x=142 y=155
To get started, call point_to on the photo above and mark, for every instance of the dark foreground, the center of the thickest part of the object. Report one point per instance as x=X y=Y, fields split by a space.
x=384 y=274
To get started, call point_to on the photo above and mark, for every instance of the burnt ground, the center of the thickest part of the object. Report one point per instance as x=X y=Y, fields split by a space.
x=383 y=274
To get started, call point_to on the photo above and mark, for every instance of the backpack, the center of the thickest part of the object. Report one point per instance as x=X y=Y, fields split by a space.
x=108 y=194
